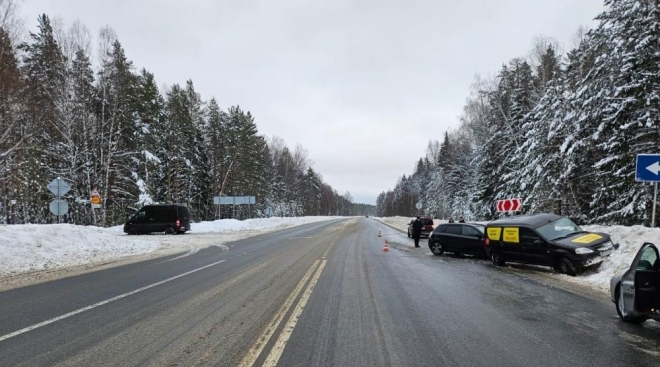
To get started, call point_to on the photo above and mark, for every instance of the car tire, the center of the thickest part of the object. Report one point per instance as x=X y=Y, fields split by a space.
x=170 y=231
x=436 y=248
x=566 y=266
x=132 y=232
x=620 y=311
x=497 y=259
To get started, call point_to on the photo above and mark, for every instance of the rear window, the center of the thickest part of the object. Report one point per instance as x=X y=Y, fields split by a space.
x=454 y=230
x=184 y=214
x=427 y=221
x=469 y=231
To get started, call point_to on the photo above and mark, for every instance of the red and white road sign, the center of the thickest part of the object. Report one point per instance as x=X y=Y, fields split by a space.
x=509 y=205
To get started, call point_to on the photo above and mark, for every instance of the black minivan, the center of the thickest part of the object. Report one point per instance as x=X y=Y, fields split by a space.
x=546 y=239
x=167 y=218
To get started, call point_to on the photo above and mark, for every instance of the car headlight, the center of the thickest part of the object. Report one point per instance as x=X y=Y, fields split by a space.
x=583 y=250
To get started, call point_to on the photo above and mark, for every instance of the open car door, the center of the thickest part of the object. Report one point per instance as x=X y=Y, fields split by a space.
x=647 y=280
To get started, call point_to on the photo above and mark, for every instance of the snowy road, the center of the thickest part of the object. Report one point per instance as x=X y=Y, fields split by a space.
x=319 y=294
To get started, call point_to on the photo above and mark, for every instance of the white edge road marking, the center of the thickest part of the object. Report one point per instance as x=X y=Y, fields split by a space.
x=264 y=338
x=280 y=344
x=72 y=313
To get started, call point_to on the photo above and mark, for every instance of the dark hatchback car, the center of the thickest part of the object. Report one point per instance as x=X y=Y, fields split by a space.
x=546 y=239
x=426 y=229
x=458 y=238
x=166 y=218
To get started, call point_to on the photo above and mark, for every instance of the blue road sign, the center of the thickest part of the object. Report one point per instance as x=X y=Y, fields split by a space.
x=647 y=168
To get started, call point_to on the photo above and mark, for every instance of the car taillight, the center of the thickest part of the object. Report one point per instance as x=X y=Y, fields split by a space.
x=178 y=223
x=486 y=241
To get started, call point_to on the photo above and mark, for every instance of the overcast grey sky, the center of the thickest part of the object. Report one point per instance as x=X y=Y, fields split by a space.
x=362 y=85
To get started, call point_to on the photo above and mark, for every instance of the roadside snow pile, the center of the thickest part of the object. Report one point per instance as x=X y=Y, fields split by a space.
x=32 y=247
x=258 y=224
x=630 y=239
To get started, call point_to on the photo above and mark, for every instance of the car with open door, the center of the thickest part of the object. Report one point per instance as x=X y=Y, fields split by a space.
x=636 y=290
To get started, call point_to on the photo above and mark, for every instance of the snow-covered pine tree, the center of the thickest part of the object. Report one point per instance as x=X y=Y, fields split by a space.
x=629 y=32
x=44 y=68
x=150 y=130
x=118 y=146
x=11 y=132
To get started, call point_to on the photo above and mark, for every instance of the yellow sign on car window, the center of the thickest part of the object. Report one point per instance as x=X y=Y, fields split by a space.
x=587 y=238
x=511 y=235
x=494 y=233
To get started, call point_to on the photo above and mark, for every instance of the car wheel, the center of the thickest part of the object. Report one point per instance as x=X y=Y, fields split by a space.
x=436 y=248
x=497 y=259
x=132 y=232
x=566 y=266
x=621 y=309
x=169 y=230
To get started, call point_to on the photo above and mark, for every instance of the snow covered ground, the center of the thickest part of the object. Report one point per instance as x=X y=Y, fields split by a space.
x=33 y=247
x=630 y=239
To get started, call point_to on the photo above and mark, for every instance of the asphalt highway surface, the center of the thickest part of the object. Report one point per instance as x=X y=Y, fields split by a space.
x=323 y=294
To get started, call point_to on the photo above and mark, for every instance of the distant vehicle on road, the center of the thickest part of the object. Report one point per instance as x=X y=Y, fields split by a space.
x=636 y=290
x=458 y=238
x=426 y=229
x=546 y=239
x=166 y=218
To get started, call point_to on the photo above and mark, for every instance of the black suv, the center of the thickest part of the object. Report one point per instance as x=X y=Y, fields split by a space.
x=458 y=238
x=426 y=229
x=167 y=218
x=546 y=239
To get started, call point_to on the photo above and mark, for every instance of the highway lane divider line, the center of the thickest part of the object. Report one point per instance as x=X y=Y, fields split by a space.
x=98 y=304
x=327 y=250
x=280 y=344
x=263 y=339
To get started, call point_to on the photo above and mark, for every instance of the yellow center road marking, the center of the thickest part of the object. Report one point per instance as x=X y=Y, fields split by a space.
x=327 y=250
x=280 y=344
x=265 y=336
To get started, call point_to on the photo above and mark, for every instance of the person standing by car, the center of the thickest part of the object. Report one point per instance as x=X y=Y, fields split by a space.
x=451 y=220
x=461 y=219
x=417 y=230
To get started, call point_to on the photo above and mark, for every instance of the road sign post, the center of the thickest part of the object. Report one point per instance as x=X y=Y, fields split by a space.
x=235 y=200
x=647 y=169
x=509 y=205
x=59 y=207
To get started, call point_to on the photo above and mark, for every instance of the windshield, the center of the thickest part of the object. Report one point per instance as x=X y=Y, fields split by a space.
x=563 y=227
x=481 y=228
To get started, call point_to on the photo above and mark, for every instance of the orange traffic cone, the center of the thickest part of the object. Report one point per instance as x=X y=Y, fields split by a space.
x=378 y=233
x=386 y=249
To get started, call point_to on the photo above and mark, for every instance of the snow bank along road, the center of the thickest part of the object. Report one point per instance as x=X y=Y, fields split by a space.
x=33 y=253
x=318 y=294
